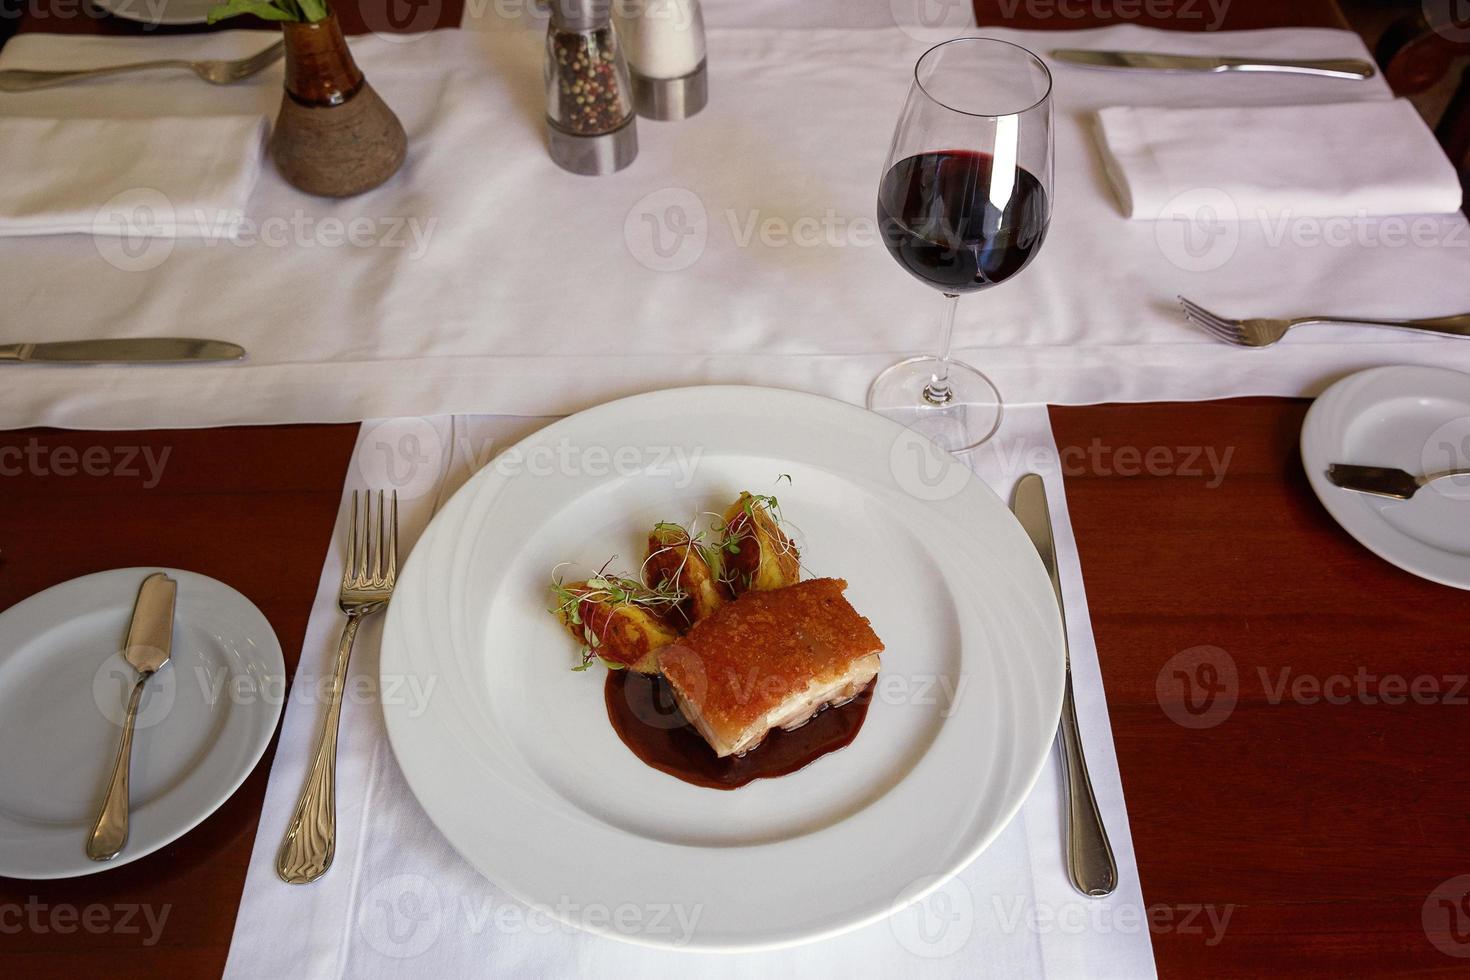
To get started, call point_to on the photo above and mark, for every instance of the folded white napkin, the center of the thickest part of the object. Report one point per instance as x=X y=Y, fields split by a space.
x=1359 y=158
x=158 y=177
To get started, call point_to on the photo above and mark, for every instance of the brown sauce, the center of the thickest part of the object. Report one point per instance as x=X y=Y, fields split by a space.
x=646 y=717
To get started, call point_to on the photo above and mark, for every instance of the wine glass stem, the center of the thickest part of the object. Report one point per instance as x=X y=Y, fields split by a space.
x=938 y=391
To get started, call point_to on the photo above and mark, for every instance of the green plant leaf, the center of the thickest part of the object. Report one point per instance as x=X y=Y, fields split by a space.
x=314 y=10
x=263 y=9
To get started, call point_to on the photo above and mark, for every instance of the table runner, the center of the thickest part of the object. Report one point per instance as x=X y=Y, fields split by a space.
x=399 y=900
x=740 y=247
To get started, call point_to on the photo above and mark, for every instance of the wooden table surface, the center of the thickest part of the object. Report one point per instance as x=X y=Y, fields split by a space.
x=1306 y=828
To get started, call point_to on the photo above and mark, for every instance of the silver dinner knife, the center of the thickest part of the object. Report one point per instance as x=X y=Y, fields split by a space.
x=1090 y=862
x=139 y=350
x=149 y=644
x=1151 y=61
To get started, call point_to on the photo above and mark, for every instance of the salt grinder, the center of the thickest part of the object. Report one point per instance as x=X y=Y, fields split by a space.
x=589 y=104
x=664 y=40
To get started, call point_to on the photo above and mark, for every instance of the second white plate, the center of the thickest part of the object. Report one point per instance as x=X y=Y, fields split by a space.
x=203 y=723
x=1416 y=419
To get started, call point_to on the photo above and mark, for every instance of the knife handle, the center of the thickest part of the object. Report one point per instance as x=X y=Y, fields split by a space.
x=13 y=352
x=1090 y=862
x=110 y=832
x=1330 y=67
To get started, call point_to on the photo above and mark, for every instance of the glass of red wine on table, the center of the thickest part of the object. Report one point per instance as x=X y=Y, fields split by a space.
x=963 y=205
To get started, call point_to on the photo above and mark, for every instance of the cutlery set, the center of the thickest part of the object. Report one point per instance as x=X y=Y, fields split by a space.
x=368 y=579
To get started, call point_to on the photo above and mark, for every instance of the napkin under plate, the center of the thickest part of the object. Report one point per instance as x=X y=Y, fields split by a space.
x=1371 y=158
x=157 y=177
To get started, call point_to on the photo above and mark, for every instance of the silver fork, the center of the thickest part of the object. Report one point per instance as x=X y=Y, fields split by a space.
x=1263 y=332
x=213 y=72
x=367 y=584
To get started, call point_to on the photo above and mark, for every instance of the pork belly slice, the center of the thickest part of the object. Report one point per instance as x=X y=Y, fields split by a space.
x=770 y=660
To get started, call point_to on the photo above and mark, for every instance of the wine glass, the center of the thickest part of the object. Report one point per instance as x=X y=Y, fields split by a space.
x=963 y=204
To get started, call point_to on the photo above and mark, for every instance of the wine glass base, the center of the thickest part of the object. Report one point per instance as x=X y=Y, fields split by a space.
x=970 y=416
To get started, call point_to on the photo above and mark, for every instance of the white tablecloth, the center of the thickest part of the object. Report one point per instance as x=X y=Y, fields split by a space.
x=399 y=901
x=740 y=247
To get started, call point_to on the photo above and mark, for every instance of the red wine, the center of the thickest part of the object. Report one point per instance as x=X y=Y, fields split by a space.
x=944 y=222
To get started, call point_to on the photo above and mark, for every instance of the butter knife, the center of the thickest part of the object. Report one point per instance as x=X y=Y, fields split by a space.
x=141 y=350
x=1090 y=863
x=1152 y=61
x=149 y=643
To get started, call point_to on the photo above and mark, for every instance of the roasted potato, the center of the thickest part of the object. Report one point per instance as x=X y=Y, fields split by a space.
x=677 y=565
x=615 y=620
x=756 y=555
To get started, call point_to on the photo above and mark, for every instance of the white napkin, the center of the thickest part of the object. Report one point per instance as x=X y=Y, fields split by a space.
x=158 y=177
x=1355 y=158
x=400 y=902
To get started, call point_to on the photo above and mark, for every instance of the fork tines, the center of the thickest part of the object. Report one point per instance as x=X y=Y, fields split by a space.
x=1217 y=326
x=367 y=565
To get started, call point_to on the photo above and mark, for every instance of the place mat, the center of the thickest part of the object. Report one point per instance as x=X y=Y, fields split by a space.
x=740 y=247
x=399 y=900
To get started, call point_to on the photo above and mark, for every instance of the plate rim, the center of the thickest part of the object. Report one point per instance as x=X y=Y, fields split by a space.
x=397 y=724
x=166 y=20
x=1311 y=443
x=269 y=706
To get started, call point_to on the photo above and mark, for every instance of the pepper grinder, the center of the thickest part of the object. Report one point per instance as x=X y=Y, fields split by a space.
x=665 y=44
x=589 y=105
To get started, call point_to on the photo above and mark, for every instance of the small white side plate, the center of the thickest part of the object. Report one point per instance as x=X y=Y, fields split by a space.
x=1418 y=420
x=204 y=722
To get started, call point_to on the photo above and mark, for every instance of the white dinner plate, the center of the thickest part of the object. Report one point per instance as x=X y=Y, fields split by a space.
x=1416 y=419
x=160 y=11
x=203 y=723
x=514 y=758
